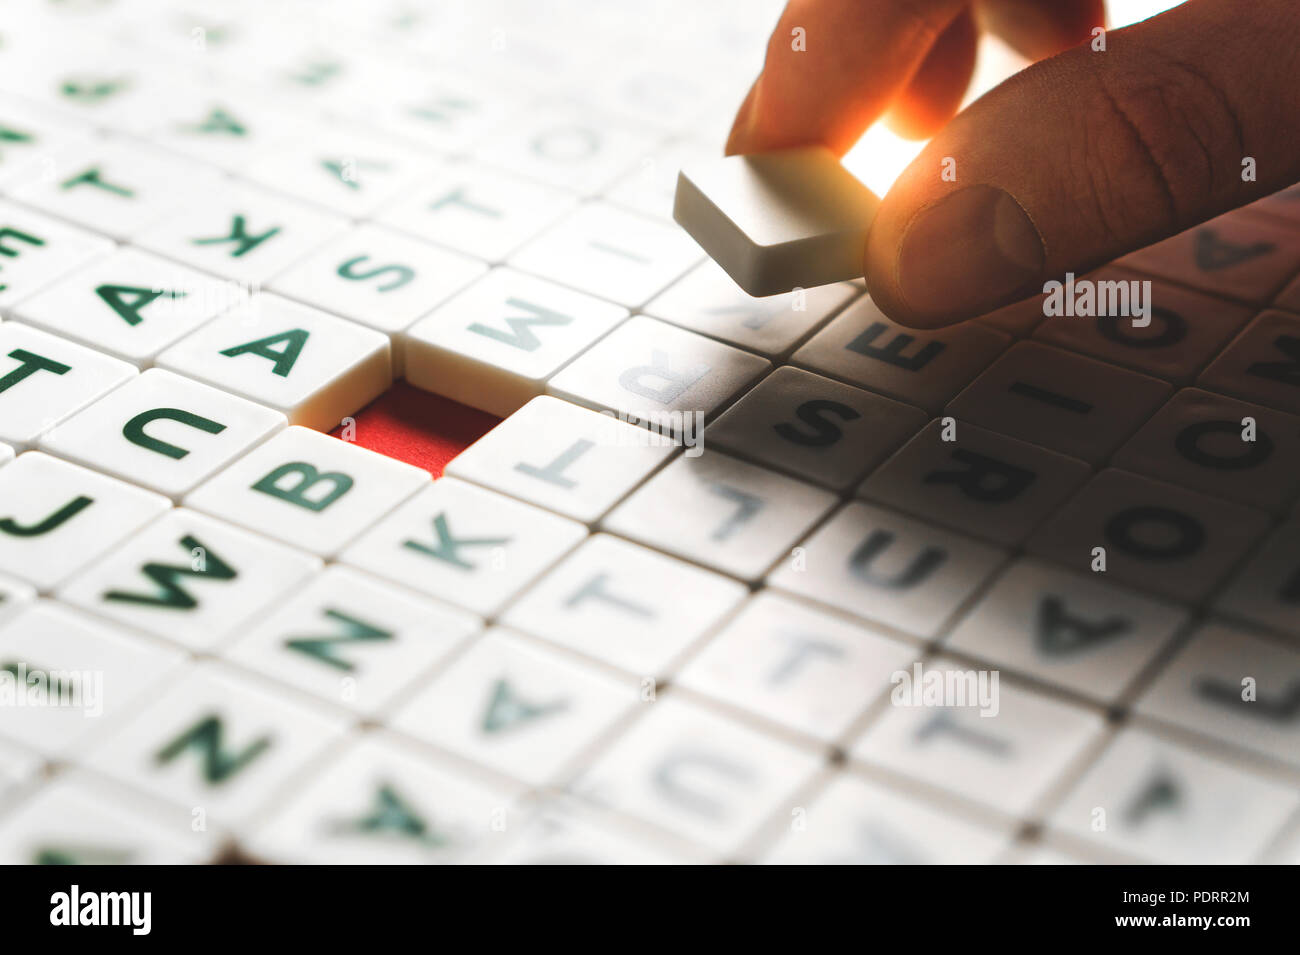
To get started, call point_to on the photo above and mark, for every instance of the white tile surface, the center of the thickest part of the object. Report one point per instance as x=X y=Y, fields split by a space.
x=352 y=639
x=494 y=345
x=624 y=605
x=45 y=379
x=309 y=490
x=163 y=431
x=465 y=545
x=58 y=517
x=190 y=579
x=563 y=457
x=310 y=366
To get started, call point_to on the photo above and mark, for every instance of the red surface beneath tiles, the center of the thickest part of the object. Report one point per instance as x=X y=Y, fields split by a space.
x=418 y=427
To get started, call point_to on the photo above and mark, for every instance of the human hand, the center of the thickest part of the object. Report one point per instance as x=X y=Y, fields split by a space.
x=1109 y=143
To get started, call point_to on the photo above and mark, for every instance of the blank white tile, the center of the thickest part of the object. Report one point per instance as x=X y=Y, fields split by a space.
x=625 y=605
x=566 y=145
x=342 y=169
x=721 y=512
x=1074 y=630
x=980 y=483
x=102 y=670
x=45 y=379
x=383 y=801
x=778 y=220
x=1266 y=590
x=113 y=187
x=478 y=211
x=1169 y=804
x=163 y=431
x=58 y=517
x=622 y=256
x=887 y=568
x=312 y=367
x=190 y=579
x=495 y=344
x=6 y=454
x=131 y=304
x=1198 y=440
x=1006 y=761
x=855 y=822
x=646 y=369
x=379 y=278
x=37 y=250
x=240 y=232
x=465 y=545
x=217 y=744
x=1157 y=537
x=1065 y=402
x=923 y=368
x=517 y=708
x=70 y=822
x=708 y=302
x=789 y=662
x=563 y=457
x=1238 y=688
x=701 y=776
x=309 y=490
x=351 y=639
x=814 y=428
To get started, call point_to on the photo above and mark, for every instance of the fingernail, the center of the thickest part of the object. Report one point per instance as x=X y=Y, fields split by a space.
x=968 y=253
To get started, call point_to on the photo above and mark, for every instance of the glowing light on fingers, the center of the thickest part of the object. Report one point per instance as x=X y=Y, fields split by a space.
x=880 y=156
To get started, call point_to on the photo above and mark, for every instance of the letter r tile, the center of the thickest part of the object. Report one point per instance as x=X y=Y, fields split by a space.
x=646 y=367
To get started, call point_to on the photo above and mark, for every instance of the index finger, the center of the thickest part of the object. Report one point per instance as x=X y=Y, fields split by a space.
x=833 y=67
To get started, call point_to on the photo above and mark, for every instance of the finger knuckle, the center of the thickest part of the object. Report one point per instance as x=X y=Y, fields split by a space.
x=1162 y=143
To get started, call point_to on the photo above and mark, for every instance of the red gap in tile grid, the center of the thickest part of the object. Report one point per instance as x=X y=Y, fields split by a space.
x=418 y=427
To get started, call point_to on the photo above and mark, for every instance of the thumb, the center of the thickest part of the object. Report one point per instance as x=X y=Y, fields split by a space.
x=1089 y=155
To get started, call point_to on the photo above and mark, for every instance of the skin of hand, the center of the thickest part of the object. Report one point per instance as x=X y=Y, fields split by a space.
x=1099 y=148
